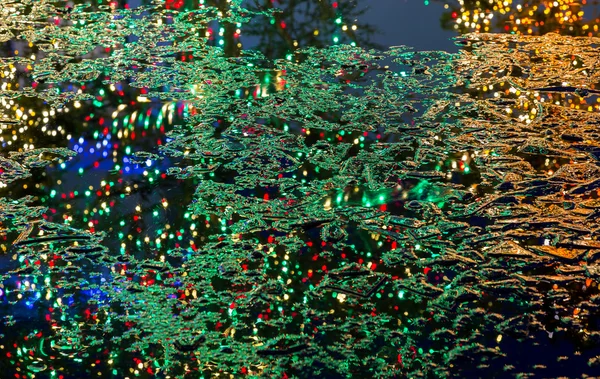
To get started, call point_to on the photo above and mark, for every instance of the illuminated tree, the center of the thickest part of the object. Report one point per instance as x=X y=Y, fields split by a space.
x=537 y=17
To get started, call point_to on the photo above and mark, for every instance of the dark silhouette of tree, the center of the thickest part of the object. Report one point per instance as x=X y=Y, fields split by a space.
x=303 y=23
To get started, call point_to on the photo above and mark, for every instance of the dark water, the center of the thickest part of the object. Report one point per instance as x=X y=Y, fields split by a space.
x=287 y=189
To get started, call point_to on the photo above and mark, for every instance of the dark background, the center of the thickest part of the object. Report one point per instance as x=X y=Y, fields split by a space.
x=409 y=22
x=400 y=22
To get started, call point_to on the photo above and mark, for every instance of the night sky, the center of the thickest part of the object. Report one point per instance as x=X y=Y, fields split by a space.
x=409 y=22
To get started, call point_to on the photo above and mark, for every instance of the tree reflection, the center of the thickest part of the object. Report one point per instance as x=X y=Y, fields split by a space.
x=294 y=25
x=538 y=17
x=276 y=28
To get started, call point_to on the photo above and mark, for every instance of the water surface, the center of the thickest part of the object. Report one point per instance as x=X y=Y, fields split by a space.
x=174 y=204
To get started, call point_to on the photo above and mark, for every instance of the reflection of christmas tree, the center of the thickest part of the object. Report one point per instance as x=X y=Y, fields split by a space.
x=294 y=25
x=519 y=17
x=281 y=26
x=287 y=25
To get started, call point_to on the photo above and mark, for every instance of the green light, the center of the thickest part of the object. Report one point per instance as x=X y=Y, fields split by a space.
x=338 y=20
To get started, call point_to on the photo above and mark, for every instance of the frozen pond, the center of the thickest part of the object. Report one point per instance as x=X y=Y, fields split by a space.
x=176 y=205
